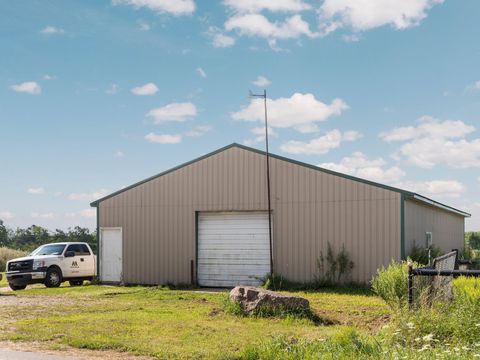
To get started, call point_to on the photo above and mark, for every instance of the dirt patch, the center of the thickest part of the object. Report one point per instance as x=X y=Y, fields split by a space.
x=13 y=300
x=63 y=350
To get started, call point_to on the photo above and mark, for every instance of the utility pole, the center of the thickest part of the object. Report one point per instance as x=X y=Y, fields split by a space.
x=264 y=97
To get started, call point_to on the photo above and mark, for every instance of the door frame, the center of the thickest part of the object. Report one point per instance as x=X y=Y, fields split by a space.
x=101 y=252
x=198 y=212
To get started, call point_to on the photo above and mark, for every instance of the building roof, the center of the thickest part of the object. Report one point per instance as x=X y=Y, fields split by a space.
x=405 y=193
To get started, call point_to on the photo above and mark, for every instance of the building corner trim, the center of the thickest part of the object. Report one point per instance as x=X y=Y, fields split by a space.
x=402 y=227
x=98 y=241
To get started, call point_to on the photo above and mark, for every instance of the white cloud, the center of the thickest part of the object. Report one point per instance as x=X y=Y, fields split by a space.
x=295 y=112
x=28 y=87
x=351 y=38
x=429 y=127
x=351 y=135
x=437 y=188
x=50 y=30
x=270 y=5
x=174 y=7
x=473 y=87
x=377 y=170
x=308 y=128
x=321 y=145
x=434 y=142
x=143 y=26
x=6 y=215
x=173 y=112
x=361 y=15
x=88 y=213
x=145 y=90
x=119 y=154
x=36 y=191
x=88 y=196
x=201 y=72
x=47 y=77
x=359 y=165
x=163 y=138
x=198 y=131
x=258 y=25
x=220 y=40
x=112 y=90
x=261 y=81
x=259 y=133
x=44 y=216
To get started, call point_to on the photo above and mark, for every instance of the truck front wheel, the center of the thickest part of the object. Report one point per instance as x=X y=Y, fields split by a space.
x=17 y=287
x=53 y=278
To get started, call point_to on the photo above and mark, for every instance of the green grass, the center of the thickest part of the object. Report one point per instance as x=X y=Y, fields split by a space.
x=3 y=282
x=171 y=323
x=168 y=323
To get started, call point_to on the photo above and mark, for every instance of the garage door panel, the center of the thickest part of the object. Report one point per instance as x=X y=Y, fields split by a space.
x=233 y=248
x=228 y=283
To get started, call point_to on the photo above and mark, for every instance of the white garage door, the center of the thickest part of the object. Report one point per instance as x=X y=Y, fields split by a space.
x=111 y=255
x=233 y=248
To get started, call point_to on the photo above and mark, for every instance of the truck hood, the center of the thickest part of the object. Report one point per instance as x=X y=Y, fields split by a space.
x=36 y=257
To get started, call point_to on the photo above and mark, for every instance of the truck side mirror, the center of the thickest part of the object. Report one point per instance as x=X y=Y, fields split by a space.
x=69 y=253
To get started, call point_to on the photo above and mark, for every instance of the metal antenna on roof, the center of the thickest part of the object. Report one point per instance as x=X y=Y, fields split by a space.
x=264 y=97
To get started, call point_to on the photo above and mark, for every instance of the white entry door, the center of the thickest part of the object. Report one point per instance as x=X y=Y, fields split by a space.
x=233 y=248
x=111 y=255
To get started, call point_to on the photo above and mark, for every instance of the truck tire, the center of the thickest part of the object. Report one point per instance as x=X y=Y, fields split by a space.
x=53 y=278
x=17 y=287
x=76 y=282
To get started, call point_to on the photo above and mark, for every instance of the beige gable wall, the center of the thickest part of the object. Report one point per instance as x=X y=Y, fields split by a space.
x=310 y=208
x=446 y=227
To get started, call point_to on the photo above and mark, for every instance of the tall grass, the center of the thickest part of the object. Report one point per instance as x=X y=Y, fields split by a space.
x=7 y=254
x=347 y=344
x=440 y=320
x=391 y=284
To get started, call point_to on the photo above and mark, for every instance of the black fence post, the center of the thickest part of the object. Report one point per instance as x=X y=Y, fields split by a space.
x=410 y=285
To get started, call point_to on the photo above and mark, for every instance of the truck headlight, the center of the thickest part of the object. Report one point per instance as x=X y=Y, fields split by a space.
x=38 y=264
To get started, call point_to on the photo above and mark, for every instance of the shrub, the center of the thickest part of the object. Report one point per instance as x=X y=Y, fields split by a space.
x=338 y=267
x=391 y=284
x=419 y=254
x=7 y=254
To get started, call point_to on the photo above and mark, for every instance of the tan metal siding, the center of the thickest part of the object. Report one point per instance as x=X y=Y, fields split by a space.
x=310 y=208
x=446 y=227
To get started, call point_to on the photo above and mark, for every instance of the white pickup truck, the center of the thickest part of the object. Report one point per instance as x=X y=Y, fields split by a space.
x=51 y=264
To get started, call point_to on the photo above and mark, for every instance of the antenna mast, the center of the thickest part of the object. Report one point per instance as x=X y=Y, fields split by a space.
x=264 y=97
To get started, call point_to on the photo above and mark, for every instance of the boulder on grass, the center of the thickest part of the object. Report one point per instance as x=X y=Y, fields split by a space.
x=253 y=300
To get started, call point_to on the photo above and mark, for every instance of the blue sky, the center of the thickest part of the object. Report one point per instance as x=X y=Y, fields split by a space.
x=96 y=95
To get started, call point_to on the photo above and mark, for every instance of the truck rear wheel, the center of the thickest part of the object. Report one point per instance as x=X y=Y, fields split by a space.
x=53 y=278
x=17 y=287
x=76 y=282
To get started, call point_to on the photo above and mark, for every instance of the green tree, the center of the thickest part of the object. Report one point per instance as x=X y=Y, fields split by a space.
x=3 y=234
x=474 y=240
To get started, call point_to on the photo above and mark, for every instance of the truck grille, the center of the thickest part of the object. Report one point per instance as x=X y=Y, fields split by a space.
x=26 y=265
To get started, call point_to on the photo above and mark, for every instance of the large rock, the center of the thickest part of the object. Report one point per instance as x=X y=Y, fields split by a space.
x=252 y=299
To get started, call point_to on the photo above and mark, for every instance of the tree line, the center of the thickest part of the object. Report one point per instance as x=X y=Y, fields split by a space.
x=32 y=237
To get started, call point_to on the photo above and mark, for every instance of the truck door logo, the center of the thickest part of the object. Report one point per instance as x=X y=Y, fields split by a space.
x=74 y=264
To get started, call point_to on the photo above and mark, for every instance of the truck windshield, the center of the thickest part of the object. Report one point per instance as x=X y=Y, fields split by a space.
x=49 y=250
